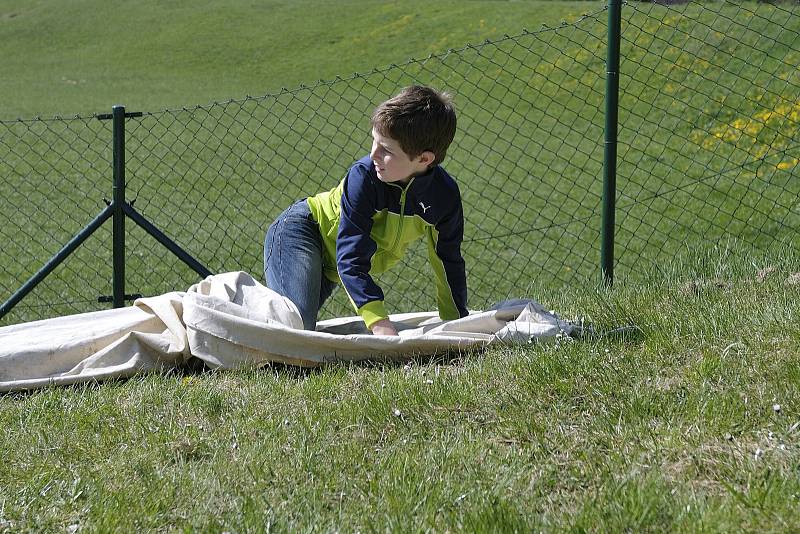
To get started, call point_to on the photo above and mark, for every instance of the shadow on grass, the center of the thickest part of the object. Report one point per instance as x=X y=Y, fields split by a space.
x=454 y=357
x=196 y=367
x=377 y=363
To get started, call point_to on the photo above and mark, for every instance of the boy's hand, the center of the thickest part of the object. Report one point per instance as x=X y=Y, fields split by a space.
x=384 y=328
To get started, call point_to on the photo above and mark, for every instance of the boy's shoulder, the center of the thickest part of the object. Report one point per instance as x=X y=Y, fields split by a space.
x=445 y=176
x=441 y=182
x=362 y=173
x=365 y=164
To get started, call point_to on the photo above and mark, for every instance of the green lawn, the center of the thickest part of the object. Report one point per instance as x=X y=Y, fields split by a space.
x=62 y=58
x=688 y=424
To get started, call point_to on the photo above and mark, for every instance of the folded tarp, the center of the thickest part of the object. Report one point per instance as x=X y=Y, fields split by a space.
x=230 y=320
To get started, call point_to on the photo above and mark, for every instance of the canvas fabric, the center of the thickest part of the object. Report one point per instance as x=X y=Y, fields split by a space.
x=229 y=321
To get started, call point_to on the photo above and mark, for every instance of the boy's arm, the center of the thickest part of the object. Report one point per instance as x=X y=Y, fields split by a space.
x=444 y=253
x=355 y=247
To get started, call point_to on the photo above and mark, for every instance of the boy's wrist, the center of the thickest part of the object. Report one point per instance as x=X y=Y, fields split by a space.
x=372 y=312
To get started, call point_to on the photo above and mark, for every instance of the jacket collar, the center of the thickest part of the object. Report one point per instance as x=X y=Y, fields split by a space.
x=421 y=182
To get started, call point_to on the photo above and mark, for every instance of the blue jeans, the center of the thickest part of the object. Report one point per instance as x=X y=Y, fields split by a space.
x=293 y=261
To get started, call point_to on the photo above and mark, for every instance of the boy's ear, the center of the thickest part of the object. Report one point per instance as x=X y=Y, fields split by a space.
x=427 y=157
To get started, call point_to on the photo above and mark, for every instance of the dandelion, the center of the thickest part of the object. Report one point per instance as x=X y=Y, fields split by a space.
x=740 y=124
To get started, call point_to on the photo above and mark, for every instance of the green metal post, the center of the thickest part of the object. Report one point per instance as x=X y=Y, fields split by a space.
x=610 y=152
x=118 y=201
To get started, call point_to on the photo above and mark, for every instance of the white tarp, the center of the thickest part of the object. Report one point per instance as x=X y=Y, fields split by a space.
x=228 y=321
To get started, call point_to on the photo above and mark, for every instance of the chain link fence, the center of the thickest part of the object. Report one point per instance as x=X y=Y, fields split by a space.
x=710 y=129
x=709 y=114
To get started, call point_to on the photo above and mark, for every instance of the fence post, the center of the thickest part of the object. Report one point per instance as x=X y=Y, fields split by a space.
x=610 y=152
x=118 y=201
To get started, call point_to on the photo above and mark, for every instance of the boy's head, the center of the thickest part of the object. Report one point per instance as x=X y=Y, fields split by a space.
x=420 y=119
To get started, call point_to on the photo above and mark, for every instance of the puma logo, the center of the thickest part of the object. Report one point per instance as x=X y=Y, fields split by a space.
x=424 y=207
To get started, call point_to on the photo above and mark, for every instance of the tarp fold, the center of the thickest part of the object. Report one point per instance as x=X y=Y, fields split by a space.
x=230 y=320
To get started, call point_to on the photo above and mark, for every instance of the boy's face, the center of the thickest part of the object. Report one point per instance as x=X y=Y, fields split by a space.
x=392 y=164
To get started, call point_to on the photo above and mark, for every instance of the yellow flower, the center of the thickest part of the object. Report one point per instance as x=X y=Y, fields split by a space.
x=739 y=124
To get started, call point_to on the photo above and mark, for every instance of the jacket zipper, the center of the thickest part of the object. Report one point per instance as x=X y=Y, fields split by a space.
x=402 y=212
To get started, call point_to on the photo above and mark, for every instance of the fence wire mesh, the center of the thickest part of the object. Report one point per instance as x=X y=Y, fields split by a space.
x=709 y=113
x=710 y=128
x=55 y=175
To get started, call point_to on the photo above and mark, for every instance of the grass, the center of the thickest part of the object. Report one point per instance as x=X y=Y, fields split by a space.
x=674 y=428
x=88 y=55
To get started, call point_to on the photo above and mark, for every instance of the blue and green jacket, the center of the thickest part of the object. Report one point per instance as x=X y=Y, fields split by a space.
x=367 y=225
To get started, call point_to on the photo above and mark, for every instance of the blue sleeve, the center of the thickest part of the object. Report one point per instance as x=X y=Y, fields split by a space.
x=354 y=246
x=450 y=234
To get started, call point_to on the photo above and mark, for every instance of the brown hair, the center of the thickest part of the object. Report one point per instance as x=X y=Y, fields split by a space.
x=420 y=119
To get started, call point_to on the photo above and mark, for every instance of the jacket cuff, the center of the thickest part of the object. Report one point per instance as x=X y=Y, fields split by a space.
x=372 y=312
x=447 y=314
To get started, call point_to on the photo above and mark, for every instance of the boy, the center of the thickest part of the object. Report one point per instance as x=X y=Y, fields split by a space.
x=363 y=226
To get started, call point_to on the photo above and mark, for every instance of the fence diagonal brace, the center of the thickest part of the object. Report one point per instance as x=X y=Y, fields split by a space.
x=162 y=238
x=56 y=260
